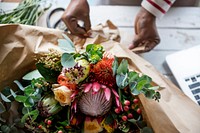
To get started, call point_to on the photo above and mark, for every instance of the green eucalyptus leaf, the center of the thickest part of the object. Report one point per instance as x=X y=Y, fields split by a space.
x=19 y=85
x=141 y=84
x=125 y=81
x=145 y=77
x=4 y=98
x=2 y=108
x=119 y=80
x=115 y=66
x=48 y=74
x=123 y=67
x=122 y=80
x=154 y=88
x=135 y=92
x=132 y=85
x=66 y=46
x=132 y=76
x=25 y=110
x=69 y=40
x=149 y=93
x=5 y=129
x=146 y=130
x=132 y=120
x=36 y=98
x=29 y=90
x=13 y=93
x=32 y=75
x=29 y=102
x=33 y=114
x=67 y=60
x=20 y=98
x=7 y=93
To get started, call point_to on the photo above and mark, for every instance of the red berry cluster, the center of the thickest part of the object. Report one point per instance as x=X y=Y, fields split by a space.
x=128 y=107
x=47 y=124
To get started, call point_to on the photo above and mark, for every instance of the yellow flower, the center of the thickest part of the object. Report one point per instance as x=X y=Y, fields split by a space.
x=63 y=95
x=92 y=126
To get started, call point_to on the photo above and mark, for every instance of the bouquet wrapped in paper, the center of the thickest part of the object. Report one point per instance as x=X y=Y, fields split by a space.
x=93 y=86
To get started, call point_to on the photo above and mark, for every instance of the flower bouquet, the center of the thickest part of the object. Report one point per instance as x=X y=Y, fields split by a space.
x=86 y=91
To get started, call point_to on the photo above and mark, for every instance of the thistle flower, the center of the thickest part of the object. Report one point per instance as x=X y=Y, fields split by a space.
x=77 y=73
x=48 y=106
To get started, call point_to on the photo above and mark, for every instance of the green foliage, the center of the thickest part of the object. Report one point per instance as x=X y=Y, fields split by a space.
x=7 y=95
x=94 y=53
x=67 y=60
x=49 y=74
x=32 y=75
x=32 y=92
x=115 y=66
x=31 y=95
x=123 y=67
x=66 y=45
x=32 y=115
x=137 y=84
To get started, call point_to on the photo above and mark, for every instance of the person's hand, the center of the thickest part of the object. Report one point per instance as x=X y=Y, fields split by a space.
x=146 y=34
x=77 y=10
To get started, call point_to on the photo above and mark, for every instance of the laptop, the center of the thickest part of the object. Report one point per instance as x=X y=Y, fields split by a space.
x=185 y=66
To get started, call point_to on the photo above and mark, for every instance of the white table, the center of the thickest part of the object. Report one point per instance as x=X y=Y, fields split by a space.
x=179 y=29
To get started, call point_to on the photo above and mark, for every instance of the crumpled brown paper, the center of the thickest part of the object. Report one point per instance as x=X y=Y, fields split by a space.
x=19 y=44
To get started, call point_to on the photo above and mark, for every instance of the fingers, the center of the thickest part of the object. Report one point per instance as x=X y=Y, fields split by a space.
x=137 y=40
x=87 y=24
x=146 y=46
x=74 y=28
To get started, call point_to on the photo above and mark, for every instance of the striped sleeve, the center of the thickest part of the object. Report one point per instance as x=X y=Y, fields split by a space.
x=157 y=7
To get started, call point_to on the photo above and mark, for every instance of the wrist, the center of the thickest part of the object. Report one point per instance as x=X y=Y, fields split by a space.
x=146 y=14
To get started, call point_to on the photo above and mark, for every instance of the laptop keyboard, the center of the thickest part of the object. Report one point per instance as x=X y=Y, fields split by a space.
x=194 y=85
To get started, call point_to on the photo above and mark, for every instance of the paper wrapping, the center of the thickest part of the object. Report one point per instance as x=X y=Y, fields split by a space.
x=19 y=44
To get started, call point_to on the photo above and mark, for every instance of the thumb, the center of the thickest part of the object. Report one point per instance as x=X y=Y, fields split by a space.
x=136 y=41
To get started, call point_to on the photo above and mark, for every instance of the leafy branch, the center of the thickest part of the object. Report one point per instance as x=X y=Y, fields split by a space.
x=136 y=83
x=93 y=53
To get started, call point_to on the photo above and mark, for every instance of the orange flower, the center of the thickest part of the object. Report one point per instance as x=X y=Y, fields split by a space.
x=62 y=80
x=102 y=72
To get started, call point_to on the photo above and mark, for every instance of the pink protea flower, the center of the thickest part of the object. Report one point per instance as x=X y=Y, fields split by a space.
x=96 y=99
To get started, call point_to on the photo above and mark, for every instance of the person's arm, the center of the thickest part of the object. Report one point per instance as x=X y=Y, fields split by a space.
x=146 y=34
x=77 y=10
